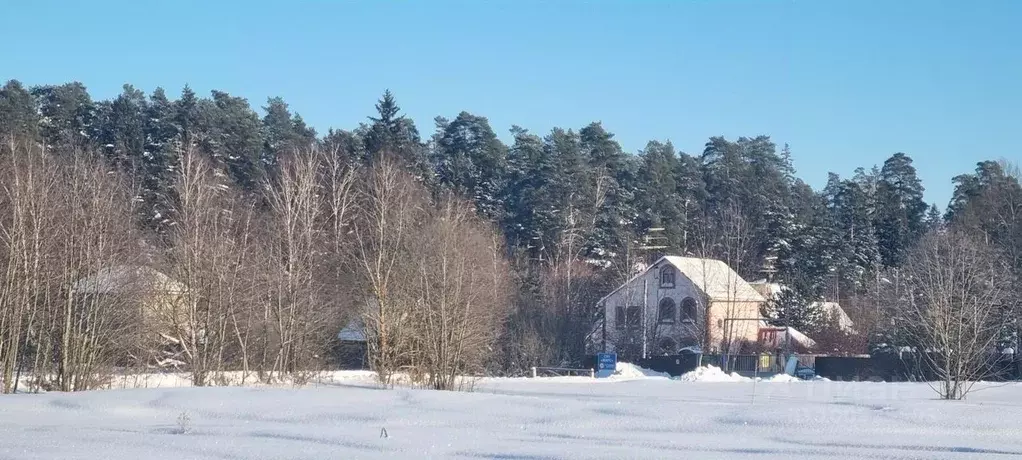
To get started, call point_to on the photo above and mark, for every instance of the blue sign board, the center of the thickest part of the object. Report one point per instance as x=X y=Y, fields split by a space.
x=606 y=364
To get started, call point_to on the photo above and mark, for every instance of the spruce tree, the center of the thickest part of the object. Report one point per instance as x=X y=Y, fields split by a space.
x=748 y=176
x=658 y=202
x=612 y=175
x=19 y=113
x=282 y=132
x=345 y=144
x=393 y=134
x=188 y=117
x=855 y=244
x=529 y=209
x=934 y=220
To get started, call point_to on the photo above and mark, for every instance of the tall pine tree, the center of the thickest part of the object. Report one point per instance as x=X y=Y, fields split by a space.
x=68 y=116
x=901 y=211
x=19 y=113
x=469 y=159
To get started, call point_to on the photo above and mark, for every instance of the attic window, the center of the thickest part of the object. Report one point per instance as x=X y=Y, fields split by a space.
x=667 y=277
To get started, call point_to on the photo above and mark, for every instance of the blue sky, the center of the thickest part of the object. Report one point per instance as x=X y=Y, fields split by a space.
x=845 y=83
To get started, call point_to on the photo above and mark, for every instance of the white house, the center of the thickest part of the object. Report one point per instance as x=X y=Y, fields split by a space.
x=678 y=302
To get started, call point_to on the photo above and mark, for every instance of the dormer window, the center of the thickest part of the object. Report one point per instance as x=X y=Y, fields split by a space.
x=667 y=275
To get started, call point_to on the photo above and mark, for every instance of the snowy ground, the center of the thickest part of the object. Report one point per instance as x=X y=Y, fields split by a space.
x=631 y=416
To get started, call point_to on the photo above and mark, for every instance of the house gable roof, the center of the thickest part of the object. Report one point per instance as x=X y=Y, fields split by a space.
x=714 y=277
x=834 y=309
x=123 y=278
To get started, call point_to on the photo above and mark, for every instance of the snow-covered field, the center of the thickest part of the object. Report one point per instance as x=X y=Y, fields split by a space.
x=634 y=415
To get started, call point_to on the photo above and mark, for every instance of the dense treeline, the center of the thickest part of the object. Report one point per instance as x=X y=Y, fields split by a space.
x=573 y=214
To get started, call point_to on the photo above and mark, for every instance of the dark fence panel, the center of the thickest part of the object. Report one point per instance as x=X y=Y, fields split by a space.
x=887 y=367
x=674 y=365
x=907 y=367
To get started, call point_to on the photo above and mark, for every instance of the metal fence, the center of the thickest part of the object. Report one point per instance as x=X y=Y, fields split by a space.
x=561 y=371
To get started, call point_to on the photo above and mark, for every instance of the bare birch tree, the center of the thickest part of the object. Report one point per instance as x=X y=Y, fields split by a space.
x=69 y=226
x=727 y=237
x=390 y=211
x=211 y=256
x=463 y=282
x=956 y=294
x=302 y=315
x=93 y=324
x=24 y=224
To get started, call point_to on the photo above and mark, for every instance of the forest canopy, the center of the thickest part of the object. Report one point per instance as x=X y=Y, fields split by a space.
x=571 y=210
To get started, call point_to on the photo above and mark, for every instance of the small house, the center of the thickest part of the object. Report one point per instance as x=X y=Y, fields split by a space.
x=678 y=303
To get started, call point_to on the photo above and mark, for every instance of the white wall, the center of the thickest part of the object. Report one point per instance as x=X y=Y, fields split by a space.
x=683 y=333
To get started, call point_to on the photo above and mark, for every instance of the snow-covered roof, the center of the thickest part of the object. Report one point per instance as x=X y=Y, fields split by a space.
x=833 y=309
x=796 y=336
x=766 y=288
x=353 y=332
x=801 y=338
x=123 y=278
x=714 y=277
x=772 y=290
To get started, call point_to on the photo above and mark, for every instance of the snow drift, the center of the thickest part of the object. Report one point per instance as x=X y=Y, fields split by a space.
x=632 y=371
x=711 y=374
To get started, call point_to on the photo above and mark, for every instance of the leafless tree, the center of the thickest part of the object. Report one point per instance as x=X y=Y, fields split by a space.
x=390 y=212
x=93 y=325
x=562 y=311
x=433 y=277
x=728 y=238
x=529 y=336
x=68 y=226
x=24 y=224
x=955 y=301
x=462 y=279
x=211 y=257
x=303 y=316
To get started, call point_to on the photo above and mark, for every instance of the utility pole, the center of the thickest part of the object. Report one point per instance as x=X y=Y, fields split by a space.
x=645 y=328
x=652 y=240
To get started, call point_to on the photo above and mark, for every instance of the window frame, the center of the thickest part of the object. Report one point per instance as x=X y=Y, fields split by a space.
x=668 y=270
x=633 y=317
x=689 y=303
x=619 y=317
x=673 y=317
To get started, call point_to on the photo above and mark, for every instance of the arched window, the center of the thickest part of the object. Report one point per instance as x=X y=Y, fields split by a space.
x=667 y=277
x=688 y=309
x=667 y=346
x=667 y=310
